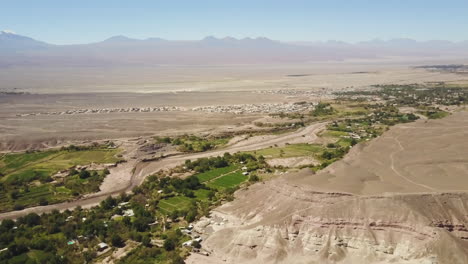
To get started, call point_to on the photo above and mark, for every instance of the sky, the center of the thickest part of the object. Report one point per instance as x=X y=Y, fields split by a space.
x=85 y=21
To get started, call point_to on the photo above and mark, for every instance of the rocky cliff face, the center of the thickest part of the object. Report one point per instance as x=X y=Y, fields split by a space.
x=279 y=222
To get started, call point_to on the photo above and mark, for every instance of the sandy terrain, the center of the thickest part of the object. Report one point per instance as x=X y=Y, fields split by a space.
x=330 y=75
x=292 y=162
x=19 y=133
x=424 y=156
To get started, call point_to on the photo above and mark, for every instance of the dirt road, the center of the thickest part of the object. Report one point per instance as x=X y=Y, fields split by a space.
x=127 y=180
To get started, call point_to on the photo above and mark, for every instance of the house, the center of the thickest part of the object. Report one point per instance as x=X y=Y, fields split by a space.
x=245 y=173
x=154 y=223
x=187 y=243
x=128 y=213
x=244 y=168
x=123 y=204
x=186 y=231
x=101 y=246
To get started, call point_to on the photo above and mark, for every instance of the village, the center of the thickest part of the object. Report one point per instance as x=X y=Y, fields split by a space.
x=267 y=108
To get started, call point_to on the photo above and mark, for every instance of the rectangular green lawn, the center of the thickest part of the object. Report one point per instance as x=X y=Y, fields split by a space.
x=228 y=181
x=174 y=203
x=211 y=174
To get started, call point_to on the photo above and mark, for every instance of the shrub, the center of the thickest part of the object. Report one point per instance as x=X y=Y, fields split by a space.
x=169 y=244
x=117 y=241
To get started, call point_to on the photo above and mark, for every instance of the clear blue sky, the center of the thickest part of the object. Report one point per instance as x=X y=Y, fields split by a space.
x=82 y=21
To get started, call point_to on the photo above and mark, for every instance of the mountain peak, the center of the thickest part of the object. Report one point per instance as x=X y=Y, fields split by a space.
x=6 y=31
x=119 y=38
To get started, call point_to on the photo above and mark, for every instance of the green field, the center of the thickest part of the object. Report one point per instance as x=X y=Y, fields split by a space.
x=25 y=167
x=211 y=174
x=338 y=137
x=201 y=194
x=26 y=178
x=333 y=134
x=293 y=150
x=174 y=203
x=228 y=181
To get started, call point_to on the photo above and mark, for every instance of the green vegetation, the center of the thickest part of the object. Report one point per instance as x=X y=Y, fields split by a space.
x=413 y=95
x=174 y=203
x=322 y=109
x=432 y=112
x=31 y=178
x=214 y=173
x=193 y=143
x=156 y=211
x=230 y=180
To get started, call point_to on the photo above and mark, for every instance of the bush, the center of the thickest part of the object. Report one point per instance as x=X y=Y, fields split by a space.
x=18 y=207
x=146 y=241
x=169 y=244
x=84 y=174
x=196 y=244
x=43 y=201
x=254 y=178
x=117 y=241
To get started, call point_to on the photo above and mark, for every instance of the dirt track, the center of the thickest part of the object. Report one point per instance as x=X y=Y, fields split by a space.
x=143 y=169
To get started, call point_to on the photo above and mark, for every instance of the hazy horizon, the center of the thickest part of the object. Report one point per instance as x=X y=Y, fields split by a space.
x=228 y=37
x=84 y=22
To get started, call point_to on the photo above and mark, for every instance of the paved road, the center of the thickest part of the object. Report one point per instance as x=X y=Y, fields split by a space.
x=143 y=169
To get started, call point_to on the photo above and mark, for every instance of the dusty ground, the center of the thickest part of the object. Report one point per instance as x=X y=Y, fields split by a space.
x=19 y=133
x=183 y=86
x=425 y=156
x=329 y=75
x=400 y=199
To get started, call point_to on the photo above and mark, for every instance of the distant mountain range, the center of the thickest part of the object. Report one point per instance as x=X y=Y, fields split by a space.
x=121 y=50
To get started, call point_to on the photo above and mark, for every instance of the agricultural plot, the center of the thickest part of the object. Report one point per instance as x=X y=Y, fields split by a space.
x=228 y=181
x=28 y=177
x=174 y=203
x=201 y=194
x=211 y=174
x=24 y=167
x=339 y=138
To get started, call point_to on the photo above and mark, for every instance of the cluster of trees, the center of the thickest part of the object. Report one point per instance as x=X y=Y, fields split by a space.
x=190 y=143
x=333 y=154
x=73 y=236
x=416 y=95
x=206 y=164
x=46 y=238
x=322 y=109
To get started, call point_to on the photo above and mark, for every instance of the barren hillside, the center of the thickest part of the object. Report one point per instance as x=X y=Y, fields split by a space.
x=378 y=205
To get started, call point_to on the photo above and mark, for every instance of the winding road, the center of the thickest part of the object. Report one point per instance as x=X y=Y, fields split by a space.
x=133 y=173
